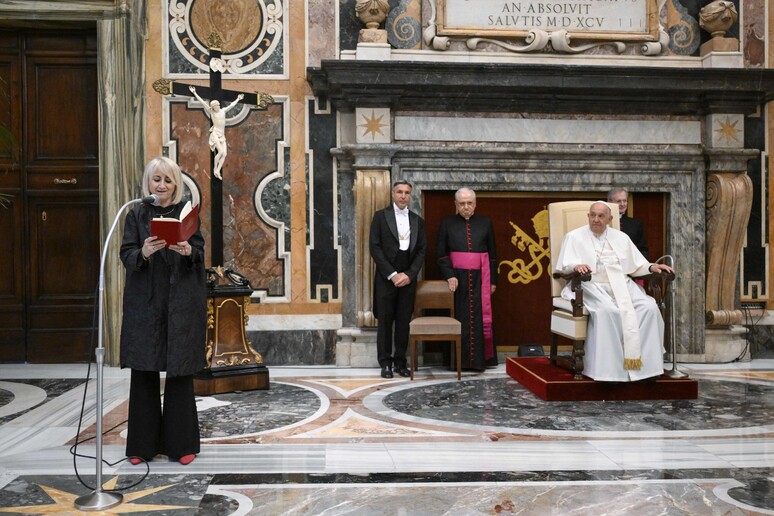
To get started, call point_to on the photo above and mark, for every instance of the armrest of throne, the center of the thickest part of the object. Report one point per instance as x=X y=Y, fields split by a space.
x=575 y=280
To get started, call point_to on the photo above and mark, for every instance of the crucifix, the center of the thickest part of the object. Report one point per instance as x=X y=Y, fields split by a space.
x=232 y=363
x=217 y=139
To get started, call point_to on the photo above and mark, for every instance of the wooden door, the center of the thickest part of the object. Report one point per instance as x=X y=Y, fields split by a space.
x=47 y=299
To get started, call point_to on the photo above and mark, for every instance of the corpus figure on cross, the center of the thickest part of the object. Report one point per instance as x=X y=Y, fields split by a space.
x=217 y=131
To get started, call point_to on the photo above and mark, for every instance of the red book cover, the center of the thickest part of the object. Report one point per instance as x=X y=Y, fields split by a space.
x=176 y=230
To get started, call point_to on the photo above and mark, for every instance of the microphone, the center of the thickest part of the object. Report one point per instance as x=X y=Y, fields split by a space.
x=152 y=199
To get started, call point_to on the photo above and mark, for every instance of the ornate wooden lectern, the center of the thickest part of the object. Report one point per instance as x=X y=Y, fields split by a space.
x=232 y=363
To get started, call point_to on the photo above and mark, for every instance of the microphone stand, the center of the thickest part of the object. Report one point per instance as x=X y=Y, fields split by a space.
x=98 y=499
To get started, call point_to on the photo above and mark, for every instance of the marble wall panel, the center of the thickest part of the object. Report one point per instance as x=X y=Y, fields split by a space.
x=761 y=339
x=295 y=347
x=322 y=40
x=753 y=34
x=253 y=245
x=349 y=25
x=322 y=240
x=754 y=283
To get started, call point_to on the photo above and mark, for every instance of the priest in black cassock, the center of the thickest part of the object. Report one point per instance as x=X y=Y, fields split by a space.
x=630 y=226
x=467 y=257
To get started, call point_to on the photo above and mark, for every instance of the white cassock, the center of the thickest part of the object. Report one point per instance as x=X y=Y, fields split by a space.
x=625 y=336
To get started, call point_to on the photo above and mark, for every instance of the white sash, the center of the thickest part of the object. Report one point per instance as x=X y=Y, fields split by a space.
x=631 y=331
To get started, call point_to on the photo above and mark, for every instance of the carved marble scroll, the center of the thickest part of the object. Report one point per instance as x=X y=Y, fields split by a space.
x=729 y=200
x=372 y=192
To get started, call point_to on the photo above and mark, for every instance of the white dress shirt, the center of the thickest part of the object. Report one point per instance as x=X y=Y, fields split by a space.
x=404 y=228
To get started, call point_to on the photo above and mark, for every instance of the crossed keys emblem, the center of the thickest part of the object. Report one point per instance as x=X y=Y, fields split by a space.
x=522 y=272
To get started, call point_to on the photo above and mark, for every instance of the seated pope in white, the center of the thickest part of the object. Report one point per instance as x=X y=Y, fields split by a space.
x=625 y=338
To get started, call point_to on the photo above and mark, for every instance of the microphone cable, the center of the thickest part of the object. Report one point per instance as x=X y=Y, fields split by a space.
x=74 y=448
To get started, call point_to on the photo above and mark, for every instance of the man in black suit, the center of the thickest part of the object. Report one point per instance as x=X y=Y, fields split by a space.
x=397 y=243
x=630 y=226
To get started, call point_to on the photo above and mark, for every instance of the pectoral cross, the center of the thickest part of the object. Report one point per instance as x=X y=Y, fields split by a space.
x=218 y=149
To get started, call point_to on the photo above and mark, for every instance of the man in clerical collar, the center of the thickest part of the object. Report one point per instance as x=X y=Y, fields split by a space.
x=625 y=335
x=629 y=225
x=467 y=257
x=397 y=244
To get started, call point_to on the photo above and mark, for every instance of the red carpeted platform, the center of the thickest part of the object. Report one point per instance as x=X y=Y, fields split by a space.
x=552 y=383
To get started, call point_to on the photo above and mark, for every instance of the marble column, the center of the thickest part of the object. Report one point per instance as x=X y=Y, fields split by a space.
x=728 y=204
x=122 y=144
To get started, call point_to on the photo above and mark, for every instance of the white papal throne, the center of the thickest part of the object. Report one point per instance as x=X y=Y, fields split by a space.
x=569 y=318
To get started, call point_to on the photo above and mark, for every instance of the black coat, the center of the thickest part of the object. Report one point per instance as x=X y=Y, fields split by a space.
x=165 y=302
x=633 y=228
x=384 y=245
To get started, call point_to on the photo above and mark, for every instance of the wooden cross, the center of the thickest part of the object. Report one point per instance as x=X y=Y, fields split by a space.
x=214 y=92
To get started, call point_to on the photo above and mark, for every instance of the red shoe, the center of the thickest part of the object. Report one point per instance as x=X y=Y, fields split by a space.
x=186 y=459
x=135 y=460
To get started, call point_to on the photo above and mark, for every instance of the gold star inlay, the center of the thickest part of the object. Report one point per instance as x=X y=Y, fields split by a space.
x=728 y=130
x=372 y=125
x=64 y=502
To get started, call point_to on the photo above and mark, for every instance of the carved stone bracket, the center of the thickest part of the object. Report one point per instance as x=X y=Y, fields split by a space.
x=372 y=192
x=728 y=203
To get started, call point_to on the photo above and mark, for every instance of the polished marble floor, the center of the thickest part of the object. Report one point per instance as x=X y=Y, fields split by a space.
x=333 y=441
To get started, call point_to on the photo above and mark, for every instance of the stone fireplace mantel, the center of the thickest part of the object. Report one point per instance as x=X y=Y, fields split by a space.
x=541 y=88
x=472 y=124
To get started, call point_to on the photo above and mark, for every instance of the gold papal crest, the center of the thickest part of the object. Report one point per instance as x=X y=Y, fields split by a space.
x=522 y=272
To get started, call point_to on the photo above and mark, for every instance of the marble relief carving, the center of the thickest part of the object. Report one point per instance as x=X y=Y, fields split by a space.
x=404 y=24
x=254 y=240
x=253 y=34
x=683 y=29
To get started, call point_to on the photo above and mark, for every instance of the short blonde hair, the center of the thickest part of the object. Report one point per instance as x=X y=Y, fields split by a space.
x=168 y=168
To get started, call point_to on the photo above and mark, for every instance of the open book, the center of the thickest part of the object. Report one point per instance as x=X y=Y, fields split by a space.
x=176 y=230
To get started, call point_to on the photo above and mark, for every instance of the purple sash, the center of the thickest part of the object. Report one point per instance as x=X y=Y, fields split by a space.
x=479 y=261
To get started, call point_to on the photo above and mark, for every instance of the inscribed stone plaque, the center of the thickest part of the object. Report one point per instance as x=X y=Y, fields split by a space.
x=584 y=19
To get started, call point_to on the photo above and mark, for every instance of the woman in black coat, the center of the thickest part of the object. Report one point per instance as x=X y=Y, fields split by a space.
x=164 y=323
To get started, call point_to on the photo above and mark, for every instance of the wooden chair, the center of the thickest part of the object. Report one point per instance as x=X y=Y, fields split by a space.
x=434 y=295
x=569 y=318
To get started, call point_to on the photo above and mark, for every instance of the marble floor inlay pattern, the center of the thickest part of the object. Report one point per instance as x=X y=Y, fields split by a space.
x=334 y=441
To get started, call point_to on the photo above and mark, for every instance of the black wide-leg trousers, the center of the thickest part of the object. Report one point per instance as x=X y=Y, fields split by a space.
x=172 y=431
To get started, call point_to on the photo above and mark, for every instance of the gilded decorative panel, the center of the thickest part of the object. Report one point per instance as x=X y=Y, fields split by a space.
x=254 y=35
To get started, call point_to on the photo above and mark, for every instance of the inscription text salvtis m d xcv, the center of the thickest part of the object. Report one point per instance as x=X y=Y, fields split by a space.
x=593 y=16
